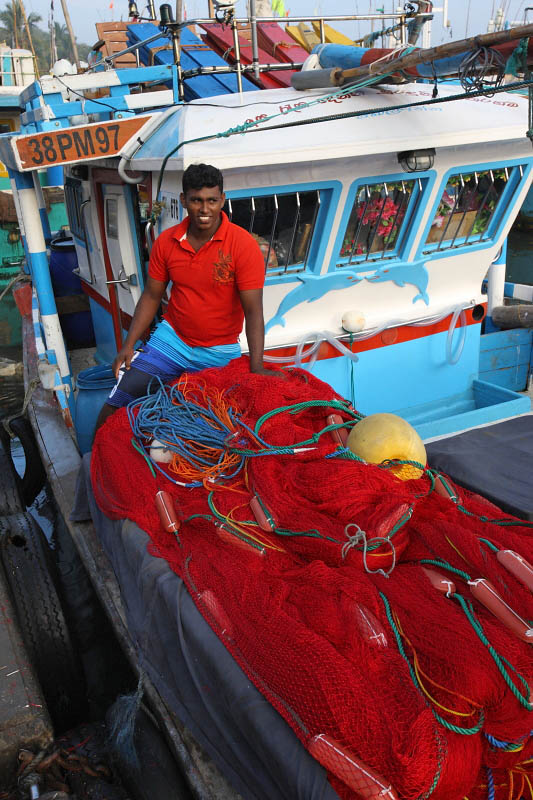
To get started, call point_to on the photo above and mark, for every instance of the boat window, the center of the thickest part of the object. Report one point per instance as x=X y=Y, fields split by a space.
x=111 y=217
x=467 y=207
x=282 y=224
x=73 y=201
x=378 y=220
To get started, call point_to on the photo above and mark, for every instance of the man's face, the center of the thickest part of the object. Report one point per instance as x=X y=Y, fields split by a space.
x=203 y=207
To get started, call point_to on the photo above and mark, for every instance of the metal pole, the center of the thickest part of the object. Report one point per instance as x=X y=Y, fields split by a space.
x=255 y=48
x=151 y=9
x=28 y=31
x=70 y=33
x=237 y=49
x=177 y=60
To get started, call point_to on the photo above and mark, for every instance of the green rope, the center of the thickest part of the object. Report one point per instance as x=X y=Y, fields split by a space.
x=198 y=516
x=444 y=564
x=448 y=725
x=476 y=625
x=389 y=463
x=517 y=61
x=490 y=545
x=502 y=523
x=499 y=660
x=228 y=526
x=140 y=450
x=271 y=449
x=295 y=408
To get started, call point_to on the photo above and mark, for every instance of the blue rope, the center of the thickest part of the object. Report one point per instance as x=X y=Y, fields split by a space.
x=181 y=424
x=509 y=746
x=491 y=794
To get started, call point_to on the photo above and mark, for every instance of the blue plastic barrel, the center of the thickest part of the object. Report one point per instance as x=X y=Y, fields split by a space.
x=72 y=303
x=94 y=385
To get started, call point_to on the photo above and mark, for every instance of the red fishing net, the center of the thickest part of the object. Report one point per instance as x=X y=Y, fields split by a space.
x=399 y=690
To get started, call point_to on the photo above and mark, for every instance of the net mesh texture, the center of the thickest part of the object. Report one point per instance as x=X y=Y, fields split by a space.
x=397 y=689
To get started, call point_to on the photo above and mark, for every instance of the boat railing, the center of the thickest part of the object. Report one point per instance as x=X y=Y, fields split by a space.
x=55 y=101
x=172 y=29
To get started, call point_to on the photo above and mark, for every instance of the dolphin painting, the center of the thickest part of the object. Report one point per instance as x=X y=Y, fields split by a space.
x=415 y=273
x=312 y=287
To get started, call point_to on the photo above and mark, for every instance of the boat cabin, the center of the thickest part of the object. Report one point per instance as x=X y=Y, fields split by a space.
x=367 y=206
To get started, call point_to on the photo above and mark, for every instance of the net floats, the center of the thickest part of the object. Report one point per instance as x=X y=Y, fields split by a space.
x=384 y=437
x=517 y=566
x=339 y=760
x=167 y=512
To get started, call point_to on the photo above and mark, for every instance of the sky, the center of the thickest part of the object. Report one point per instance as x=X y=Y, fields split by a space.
x=467 y=17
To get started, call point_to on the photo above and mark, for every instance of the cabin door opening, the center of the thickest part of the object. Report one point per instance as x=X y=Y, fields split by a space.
x=120 y=241
x=120 y=248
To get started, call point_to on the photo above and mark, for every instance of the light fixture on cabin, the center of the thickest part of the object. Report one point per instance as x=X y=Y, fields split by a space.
x=417 y=160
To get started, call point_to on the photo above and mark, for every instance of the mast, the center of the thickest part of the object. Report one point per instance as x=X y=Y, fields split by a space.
x=71 y=33
x=15 y=23
x=28 y=31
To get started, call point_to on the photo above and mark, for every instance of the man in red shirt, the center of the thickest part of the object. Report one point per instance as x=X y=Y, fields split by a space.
x=217 y=272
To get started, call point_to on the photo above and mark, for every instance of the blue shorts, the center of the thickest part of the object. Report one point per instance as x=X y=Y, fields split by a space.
x=165 y=356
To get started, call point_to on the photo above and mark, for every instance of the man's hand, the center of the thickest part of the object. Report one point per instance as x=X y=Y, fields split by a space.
x=123 y=357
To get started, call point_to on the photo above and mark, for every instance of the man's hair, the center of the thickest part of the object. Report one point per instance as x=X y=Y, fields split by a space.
x=199 y=175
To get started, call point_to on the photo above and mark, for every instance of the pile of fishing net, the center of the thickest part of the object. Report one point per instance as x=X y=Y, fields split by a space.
x=327 y=603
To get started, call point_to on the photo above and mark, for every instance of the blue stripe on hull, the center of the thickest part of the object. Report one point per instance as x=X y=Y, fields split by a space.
x=448 y=396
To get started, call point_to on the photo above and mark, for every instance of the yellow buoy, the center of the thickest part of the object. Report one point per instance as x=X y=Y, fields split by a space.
x=382 y=437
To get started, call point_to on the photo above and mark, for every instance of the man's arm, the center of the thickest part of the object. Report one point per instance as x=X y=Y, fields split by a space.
x=252 y=304
x=145 y=311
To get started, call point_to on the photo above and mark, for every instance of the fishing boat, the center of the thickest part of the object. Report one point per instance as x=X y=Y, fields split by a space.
x=377 y=239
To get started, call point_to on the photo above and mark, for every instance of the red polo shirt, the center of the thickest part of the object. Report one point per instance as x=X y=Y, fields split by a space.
x=204 y=307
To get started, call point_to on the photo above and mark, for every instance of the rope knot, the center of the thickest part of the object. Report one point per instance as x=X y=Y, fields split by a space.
x=360 y=537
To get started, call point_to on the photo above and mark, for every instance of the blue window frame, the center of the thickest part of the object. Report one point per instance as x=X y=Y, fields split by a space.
x=471 y=207
x=290 y=225
x=379 y=220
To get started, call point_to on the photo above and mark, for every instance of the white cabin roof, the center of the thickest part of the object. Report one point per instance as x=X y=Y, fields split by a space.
x=478 y=120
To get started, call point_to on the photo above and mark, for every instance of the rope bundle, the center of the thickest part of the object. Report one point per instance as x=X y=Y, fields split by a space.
x=192 y=421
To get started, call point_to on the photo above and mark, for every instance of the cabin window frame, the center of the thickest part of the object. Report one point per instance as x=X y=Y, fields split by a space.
x=73 y=190
x=330 y=192
x=423 y=185
x=519 y=169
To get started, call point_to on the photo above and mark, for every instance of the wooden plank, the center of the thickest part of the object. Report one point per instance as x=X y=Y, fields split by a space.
x=331 y=35
x=221 y=38
x=194 y=54
x=115 y=35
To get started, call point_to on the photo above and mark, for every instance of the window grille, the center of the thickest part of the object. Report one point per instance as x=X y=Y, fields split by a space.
x=376 y=225
x=73 y=201
x=282 y=224
x=467 y=207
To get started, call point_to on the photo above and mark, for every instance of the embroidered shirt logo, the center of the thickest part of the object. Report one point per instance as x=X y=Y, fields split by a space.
x=223 y=269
